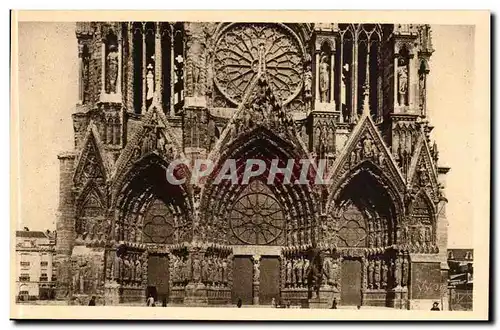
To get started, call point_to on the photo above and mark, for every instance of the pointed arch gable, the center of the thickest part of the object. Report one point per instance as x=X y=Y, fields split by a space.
x=422 y=161
x=243 y=123
x=91 y=163
x=153 y=136
x=365 y=146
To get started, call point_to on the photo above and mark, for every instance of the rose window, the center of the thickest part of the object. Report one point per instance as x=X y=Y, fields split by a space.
x=257 y=217
x=245 y=49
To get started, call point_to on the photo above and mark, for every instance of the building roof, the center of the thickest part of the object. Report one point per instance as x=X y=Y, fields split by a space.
x=460 y=254
x=30 y=234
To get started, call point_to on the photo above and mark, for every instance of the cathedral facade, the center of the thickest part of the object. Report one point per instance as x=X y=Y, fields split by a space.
x=349 y=99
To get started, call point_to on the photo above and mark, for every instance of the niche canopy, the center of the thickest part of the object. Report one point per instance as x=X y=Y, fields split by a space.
x=243 y=50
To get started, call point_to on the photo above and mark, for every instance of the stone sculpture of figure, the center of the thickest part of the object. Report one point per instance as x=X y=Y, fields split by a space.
x=404 y=271
x=421 y=236
x=175 y=269
x=402 y=82
x=126 y=268
x=131 y=234
x=196 y=269
x=132 y=268
x=219 y=271
x=324 y=79
x=256 y=271
x=370 y=273
x=82 y=278
x=308 y=83
x=367 y=147
x=397 y=272
x=305 y=271
x=116 y=232
x=224 y=272
x=117 y=267
x=196 y=67
x=428 y=238
x=288 y=276
x=385 y=270
x=300 y=265
x=358 y=150
x=353 y=159
x=112 y=68
x=376 y=274
x=150 y=82
x=371 y=234
x=138 y=270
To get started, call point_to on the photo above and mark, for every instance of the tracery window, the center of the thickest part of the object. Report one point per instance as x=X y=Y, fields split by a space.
x=256 y=217
x=352 y=232
x=159 y=224
x=245 y=49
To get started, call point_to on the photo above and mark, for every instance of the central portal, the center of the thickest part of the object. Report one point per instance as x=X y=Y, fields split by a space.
x=351 y=282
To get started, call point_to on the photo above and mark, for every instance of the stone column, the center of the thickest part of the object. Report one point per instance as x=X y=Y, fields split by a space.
x=80 y=74
x=256 y=278
x=103 y=67
x=130 y=69
x=354 y=80
x=120 y=68
x=158 y=64
x=316 y=97
x=172 y=71
x=332 y=79
x=144 y=69
x=65 y=225
x=395 y=70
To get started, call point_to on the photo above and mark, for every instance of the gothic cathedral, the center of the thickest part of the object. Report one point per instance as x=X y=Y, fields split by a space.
x=353 y=95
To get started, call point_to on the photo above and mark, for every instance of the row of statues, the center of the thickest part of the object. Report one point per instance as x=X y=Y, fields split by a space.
x=298 y=272
x=366 y=149
x=378 y=273
x=387 y=273
x=85 y=278
x=212 y=270
x=92 y=230
x=128 y=269
x=378 y=234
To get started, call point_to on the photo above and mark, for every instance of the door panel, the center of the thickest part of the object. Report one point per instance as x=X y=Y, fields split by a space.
x=351 y=283
x=269 y=280
x=242 y=280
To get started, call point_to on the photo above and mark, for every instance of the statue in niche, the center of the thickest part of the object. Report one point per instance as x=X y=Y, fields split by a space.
x=196 y=269
x=324 y=78
x=308 y=83
x=371 y=239
x=421 y=236
x=224 y=272
x=367 y=147
x=132 y=268
x=370 y=274
x=197 y=66
x=126 y=268
x=138 y=270
x=256 y=270
x=112 y=67
x=402 y=74
x=376 y=275
x=385 y=270
x=131 y=234
x=288 y=274
x=397 y=272
x=404 y=271
x=116 y=232
x=305 y=271
x=428 y=238
x=150 y=82
x=175 y=269
x=219 y=271
x=204 y=269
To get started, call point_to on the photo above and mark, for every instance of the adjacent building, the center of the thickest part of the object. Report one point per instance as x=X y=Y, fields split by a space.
x=35 y=272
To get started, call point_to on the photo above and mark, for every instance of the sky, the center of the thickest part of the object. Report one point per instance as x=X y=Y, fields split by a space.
x=48 y=71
